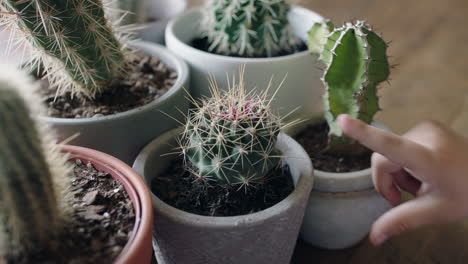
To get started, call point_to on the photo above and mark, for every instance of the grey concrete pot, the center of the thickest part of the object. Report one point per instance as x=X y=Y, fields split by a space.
x=342 y=206
x=123 y=135
x=268 y=236
x=302 y=86
x=161 y=12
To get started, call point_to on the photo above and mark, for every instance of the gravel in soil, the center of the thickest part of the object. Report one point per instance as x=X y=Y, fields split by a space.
x=101 y=224
x=204 y=45
x=149 y=79
x=314 y=139
x=181 y=189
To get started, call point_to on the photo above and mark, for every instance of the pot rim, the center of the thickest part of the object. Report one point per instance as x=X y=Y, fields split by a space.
x=180 y=66
x=170 y=33
x=302 y=188
x=133 y=183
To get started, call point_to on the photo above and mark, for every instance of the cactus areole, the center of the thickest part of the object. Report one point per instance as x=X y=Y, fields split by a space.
x=72 y=39
x=230 y=138
x=356 y=63
x=249 y=28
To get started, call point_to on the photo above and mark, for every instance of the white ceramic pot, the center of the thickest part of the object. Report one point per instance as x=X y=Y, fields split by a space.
x=302 y=86
x=124 y=134
x=268 y=236
x=160 y=12
x=342 y=206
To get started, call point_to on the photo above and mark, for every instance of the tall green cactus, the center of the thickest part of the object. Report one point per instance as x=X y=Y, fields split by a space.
x=73 y=40
x=248 y=27
x=231 y=137
x=33 y=205
x=356 y=63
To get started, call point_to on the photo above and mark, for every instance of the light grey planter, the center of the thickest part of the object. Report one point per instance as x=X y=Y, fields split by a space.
x=123 y=135
x=302 y=87
x=268 y=236
x=161 y=11
x=342 y=206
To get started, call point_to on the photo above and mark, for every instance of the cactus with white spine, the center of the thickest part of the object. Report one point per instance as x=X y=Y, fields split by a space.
x=72 y=39
x=133 y=11
x=230 y=138
x=33 y=202
x=248 y=27
x=356 y=63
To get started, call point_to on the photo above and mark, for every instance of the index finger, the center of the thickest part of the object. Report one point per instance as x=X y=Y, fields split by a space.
x=400 y=150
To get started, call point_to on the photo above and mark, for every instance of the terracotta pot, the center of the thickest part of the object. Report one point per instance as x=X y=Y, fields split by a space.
x=268 y=236
x=139 y=247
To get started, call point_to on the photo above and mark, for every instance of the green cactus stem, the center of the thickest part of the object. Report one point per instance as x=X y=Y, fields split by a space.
x=73 y=40
x=356 y=63
x=32 y=209
x=248 y=27
x=230 y=138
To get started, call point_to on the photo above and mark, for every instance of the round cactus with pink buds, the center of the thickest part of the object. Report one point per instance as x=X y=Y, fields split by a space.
x=231 y=137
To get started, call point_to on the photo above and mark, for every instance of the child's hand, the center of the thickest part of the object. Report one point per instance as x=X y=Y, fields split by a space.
x=429 y=161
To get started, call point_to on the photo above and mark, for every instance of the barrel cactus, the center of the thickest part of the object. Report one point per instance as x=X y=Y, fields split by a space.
x=248 y=27
x=230 y=138
x=33 y=185
x=73 y=40
x=356 y=63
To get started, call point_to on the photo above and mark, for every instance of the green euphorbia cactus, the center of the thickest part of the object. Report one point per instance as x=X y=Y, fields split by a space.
x=230 y=138
x=248 y=27
x=33 y=202
x=356 y=63
x=72 y=39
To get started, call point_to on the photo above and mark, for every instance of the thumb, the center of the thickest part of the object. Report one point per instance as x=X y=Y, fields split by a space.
x=407 y=216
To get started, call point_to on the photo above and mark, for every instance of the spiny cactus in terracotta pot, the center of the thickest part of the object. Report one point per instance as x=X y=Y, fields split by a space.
x=231 y=138
x=249 y=27
x=356 y=63
x=44 y=213
x=34 y=206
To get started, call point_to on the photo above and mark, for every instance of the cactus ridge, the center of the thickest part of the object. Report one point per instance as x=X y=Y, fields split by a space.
x=72 y=39
x=356 y=63
x=249 y=27
x=32 y=208
x=230 y=138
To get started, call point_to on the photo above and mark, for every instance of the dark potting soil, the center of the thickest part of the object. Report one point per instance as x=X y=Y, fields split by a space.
x=101 y=224
x=181 y=189
x=314 y=139
x=204 y=45
x=149 y=79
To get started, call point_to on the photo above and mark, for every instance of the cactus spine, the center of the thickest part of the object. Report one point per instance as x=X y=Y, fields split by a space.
x=230 y=138
x=33 y=205
x=133 y=11
x=73 y=40
x=356 y=63
x=248 y=27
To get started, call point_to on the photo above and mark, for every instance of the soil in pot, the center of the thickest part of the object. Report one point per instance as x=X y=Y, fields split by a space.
x=101 y=224
x=183 y=190
x=314 y=139
x=149 y=79
x=204 y=45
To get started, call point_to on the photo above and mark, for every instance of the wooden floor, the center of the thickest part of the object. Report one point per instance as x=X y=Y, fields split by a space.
x=430 y=48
